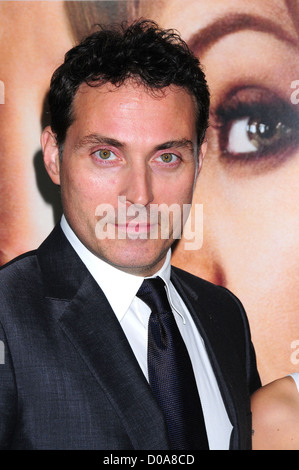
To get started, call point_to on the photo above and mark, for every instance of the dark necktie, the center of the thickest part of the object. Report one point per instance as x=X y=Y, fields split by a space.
x=170 y=372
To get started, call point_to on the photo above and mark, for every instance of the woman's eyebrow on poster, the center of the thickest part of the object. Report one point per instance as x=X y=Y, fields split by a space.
x=205 y=38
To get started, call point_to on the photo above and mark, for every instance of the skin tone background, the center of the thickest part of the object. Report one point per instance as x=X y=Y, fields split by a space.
x=248 y=184
x=34 y=38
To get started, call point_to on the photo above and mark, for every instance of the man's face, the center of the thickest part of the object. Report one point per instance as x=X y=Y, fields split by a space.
x=126 y=153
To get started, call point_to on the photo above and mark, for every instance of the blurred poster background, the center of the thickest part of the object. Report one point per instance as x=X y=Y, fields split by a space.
x=249 y=185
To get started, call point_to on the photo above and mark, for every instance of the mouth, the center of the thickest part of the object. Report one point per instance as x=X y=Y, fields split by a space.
x=136 y=228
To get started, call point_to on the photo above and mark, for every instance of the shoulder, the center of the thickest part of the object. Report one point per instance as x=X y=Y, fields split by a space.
x=26 y=270
x=217 y=303
x=19 y=280
x=210 y=295
x=275 y=416
x=22 y=264
x=196 y=282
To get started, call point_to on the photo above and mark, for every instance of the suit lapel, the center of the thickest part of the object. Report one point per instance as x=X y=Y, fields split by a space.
x=90 y=324
x=204 y=319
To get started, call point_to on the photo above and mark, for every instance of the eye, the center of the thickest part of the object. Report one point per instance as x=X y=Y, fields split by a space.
x=256 y=135
x=168 y=157
x=256 y=124
x=105 y=154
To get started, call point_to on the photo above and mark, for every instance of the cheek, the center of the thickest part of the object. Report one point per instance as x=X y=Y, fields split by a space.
x=80 y=186
x=253 y=223
x=179 y=190
x=78 y=194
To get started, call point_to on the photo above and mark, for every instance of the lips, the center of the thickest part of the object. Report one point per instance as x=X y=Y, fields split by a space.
x=135 y=227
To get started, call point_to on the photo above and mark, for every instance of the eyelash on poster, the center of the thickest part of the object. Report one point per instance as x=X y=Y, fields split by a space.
x=225 y=116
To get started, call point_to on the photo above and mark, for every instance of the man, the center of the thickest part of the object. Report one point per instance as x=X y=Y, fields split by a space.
x=129 y=110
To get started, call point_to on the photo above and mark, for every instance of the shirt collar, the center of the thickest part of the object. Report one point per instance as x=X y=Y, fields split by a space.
x=119 y=287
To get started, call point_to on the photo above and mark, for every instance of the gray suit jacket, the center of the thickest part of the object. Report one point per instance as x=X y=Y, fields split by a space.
x=69 y=379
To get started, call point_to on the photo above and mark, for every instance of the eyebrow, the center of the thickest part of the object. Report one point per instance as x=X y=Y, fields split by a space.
x=182 y=143
x=202 y=40
x=93 y=139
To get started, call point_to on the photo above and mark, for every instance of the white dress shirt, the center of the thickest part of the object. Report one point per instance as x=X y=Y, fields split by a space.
x=120 y=289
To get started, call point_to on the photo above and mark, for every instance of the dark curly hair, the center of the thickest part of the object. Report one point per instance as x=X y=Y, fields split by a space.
x=155 y=57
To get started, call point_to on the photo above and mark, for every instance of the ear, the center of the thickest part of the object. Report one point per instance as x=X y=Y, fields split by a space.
x=201 y=155
x=51 y=154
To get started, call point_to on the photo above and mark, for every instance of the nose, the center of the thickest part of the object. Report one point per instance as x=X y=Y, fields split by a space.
x=138 y=188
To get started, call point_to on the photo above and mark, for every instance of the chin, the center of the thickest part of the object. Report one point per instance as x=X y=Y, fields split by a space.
x=144 y=266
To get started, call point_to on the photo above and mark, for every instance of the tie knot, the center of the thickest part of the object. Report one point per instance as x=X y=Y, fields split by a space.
x=153 y=293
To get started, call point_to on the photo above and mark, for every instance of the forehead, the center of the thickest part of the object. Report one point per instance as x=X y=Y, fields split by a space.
x=132 y=108
x=132 y=91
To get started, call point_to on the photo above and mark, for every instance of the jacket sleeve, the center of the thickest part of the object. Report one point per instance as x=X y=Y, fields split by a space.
x=253 y=378
x=8 y=397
